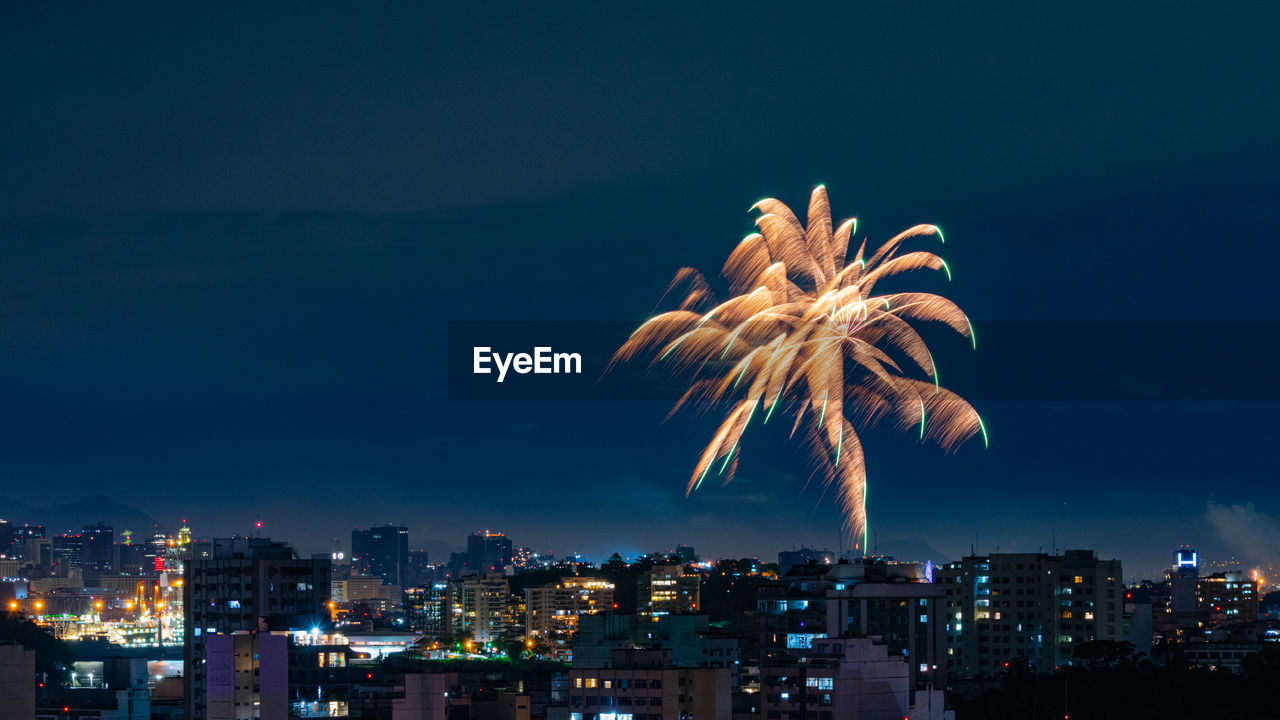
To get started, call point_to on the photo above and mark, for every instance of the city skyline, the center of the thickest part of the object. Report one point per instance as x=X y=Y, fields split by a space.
x=229 y=314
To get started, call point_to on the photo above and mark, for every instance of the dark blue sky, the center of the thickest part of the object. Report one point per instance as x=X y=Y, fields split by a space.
x=231 y=240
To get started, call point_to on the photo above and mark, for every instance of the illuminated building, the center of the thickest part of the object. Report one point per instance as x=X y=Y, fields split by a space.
x=792 y=611
x=488 y=552
x=32 y=546
x=248 y=584
x=67 y=555
x=1029 y=605
x=668 y=590
x=427 y=611
x=479 y=607
x=383 y=551
x=896 y=604
x=551 y=611
x=1186 y=563
x=647 y=683
x=97 y=549
x=1215 y=601
x=848 y=679
x=360 y=587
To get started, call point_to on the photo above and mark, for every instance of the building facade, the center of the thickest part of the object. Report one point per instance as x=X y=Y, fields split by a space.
x=552 y=611
x=249 y=584
x=478 y=608
x=847 y=679
x=488 y=553
x=382 y=551
x=645 y=684
x=668 y=590
x=1029 y=606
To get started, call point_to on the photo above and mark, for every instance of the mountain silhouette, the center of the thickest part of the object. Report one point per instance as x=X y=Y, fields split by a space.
x=73 y=516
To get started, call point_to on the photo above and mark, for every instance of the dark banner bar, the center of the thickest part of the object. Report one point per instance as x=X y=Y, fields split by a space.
x=1208 y=361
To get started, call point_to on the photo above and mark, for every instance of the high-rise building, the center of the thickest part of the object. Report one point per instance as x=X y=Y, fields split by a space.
x=1032 y=606
x=479 y=607
x=382 y=550
x=426 y=609
x=248 y=584
x=792 y=611
x=488 y=552
x=552 y=611
x=1186 y=563
x=895 y=603
x=97 y=550
x=668 y=590
x=67 y=554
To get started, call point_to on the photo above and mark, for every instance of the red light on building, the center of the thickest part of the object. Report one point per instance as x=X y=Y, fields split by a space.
x=159 y=564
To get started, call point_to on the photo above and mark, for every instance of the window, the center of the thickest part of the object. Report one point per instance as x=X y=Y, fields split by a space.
x=592 y=682
x=821 y=683
x=577 y=682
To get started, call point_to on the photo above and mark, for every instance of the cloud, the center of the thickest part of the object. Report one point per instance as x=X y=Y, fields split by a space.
x=1254 y=534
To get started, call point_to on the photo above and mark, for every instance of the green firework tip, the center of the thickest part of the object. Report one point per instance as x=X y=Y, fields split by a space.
x=973 y=337
x=725 y=464
x=922 y=419
x=941 y=238
x=986 y=443
x=772 y=405
x=945 y=268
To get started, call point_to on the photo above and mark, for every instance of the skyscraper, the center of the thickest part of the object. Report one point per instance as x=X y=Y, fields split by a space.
x=248 y=584
x=488 y=552
x=97 y=549
x=479 y=607
x=382 y=550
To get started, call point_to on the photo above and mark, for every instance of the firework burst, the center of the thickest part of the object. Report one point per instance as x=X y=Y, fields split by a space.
x=804 y=334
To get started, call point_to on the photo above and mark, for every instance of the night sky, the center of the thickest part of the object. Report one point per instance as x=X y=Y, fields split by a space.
x=231 y=240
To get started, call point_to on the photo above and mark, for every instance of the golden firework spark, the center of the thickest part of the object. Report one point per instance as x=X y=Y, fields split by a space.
x=803 y=333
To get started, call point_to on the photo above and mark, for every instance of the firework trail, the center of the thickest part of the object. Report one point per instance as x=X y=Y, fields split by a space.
x=803 y=334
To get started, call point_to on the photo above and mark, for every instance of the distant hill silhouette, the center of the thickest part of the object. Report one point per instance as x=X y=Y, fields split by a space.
x=73 y=516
